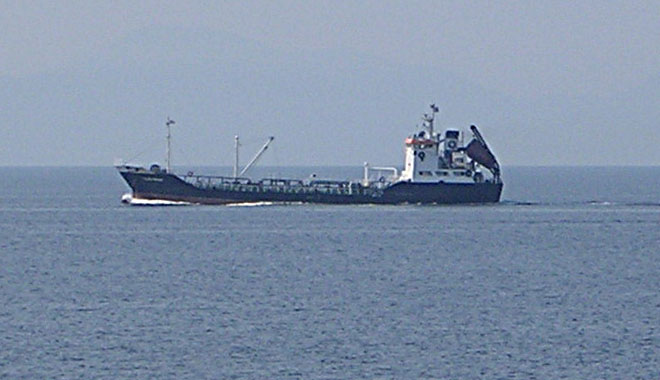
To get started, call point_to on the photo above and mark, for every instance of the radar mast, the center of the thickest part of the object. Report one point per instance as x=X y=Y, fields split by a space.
x=169 y=124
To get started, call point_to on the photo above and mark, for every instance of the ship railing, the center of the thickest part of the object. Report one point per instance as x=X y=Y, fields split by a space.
x=380 y=185
x=280 y=185
x=209 y=180
x=379 y=176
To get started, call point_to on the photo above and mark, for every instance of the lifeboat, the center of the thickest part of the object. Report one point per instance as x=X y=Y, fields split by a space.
x=419 y=141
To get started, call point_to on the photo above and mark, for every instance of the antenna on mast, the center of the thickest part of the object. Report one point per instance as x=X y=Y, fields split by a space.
x=428 y=119
x=169 y=123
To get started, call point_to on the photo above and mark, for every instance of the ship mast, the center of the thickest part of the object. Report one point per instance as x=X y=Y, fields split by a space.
x=428 y=120
x=236 y=145
x=254 y=159
x=169 y=123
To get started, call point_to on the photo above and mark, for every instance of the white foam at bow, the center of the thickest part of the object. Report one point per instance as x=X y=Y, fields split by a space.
x=128 y=198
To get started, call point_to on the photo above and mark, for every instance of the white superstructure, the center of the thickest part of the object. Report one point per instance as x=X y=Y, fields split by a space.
x=432 y=157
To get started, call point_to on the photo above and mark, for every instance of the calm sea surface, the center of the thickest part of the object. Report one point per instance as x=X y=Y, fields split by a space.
x=561 y=280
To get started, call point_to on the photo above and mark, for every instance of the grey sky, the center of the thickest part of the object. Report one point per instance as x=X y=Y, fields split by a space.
x=336 y=82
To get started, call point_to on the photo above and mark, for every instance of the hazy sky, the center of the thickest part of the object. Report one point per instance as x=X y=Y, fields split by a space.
x=337 y=82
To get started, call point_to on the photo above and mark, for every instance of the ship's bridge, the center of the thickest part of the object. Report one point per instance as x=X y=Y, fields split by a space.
x=432 y=157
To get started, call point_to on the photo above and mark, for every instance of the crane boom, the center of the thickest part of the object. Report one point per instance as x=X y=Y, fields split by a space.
x=257 y=156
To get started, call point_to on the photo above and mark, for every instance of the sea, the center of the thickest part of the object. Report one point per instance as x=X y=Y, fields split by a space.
x=561 y=280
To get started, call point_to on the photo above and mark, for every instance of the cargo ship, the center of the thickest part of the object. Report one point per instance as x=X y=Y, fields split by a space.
x=439 y=168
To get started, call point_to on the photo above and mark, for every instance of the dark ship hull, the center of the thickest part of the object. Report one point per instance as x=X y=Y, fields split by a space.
x=160 y=185
x=438 y=169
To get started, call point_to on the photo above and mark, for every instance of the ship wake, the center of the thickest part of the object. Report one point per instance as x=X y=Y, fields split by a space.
x=261 y=204
x=129 y=199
